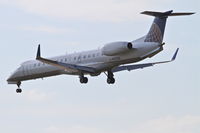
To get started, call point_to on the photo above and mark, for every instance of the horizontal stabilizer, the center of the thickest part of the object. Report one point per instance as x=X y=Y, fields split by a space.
x=182 y=14
x=166 y=14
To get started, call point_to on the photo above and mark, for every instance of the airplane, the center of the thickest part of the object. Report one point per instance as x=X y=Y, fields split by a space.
x=111 y=58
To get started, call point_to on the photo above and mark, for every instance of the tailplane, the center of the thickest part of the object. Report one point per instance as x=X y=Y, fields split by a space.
x=165 y=14
x=156 y=32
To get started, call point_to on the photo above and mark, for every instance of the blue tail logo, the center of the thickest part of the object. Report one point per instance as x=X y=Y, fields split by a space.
x=154 y=34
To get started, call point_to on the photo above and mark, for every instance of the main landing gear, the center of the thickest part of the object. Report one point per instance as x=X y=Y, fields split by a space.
x=19 y=90
x=109 y=74
x=110 y=79
x=83 y=79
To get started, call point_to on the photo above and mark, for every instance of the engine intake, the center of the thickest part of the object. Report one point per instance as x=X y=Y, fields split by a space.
x=130 y=45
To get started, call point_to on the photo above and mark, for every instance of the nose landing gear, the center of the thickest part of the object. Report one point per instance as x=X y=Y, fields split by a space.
x=19 y=90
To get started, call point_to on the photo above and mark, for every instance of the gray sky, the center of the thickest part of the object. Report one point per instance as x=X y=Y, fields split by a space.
x=161 y=99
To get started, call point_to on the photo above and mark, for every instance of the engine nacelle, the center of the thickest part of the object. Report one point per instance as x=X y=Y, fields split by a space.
x=116 y=48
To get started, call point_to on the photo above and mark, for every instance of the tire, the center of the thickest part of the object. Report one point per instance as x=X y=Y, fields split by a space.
x=19 y=90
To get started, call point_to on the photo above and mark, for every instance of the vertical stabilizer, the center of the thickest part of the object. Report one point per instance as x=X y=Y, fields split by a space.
x=156 y=32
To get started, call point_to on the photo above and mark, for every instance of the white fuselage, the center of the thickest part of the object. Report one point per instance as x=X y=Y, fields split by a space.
x=109 y=59
x=35 y=69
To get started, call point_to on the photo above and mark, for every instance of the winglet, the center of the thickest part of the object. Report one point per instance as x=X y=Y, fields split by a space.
x=175 y=54
x=38 y=52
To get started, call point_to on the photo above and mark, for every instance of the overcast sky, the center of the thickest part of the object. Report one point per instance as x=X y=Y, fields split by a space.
x=161 y=99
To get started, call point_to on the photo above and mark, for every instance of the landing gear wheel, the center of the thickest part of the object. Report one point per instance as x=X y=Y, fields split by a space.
x=19 y=90
x=110 y=80
x=83 y=80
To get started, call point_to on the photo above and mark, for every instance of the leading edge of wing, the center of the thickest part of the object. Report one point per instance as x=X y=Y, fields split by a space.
x=140 y=66
x=61 y=64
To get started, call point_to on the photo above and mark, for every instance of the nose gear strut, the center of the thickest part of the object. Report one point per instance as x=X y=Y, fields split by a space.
x=18 y=90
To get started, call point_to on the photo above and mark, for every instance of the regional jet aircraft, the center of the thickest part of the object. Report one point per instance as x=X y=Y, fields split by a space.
x=111 y=58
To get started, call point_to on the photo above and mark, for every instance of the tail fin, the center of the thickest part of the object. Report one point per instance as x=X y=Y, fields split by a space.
x=156 y=32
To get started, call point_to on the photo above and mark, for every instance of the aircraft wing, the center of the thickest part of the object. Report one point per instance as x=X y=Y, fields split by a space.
x=140 y=66
x=63 y=65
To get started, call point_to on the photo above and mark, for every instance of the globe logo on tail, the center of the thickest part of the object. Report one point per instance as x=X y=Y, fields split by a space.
x=154 y=34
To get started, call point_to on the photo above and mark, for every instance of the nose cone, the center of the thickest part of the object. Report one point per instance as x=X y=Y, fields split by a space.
x=12 y=78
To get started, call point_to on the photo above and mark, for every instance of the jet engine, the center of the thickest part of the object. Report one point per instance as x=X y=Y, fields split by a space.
x=116 y=48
